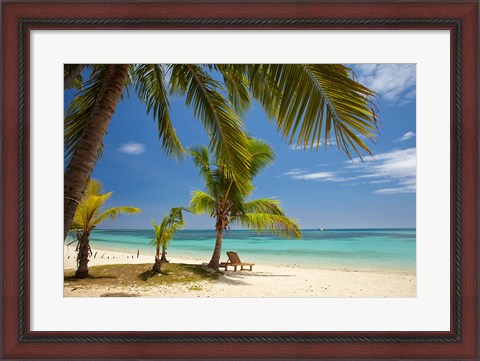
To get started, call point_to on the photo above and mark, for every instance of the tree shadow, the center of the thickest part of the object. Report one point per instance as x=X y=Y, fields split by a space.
x=246 y=274
x=145 y=276
x=231 y=281
x=242 y=278
x=201 y=271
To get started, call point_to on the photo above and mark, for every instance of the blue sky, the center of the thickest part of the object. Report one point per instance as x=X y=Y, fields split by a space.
x=320 y=188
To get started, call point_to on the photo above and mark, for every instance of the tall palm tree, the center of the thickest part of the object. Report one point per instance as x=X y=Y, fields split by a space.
x=90 y=212
x=86 y=123
x=227 y=202
x=307 y=101
x=164 y=232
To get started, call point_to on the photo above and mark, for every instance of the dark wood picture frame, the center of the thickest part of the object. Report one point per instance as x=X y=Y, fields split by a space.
x=460 y=18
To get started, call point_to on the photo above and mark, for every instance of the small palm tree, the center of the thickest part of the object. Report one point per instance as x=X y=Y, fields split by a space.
x=226 y=201
x=164 y=232
x=90 y=212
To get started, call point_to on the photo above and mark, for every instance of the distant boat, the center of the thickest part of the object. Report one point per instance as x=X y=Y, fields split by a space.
x=320 y=229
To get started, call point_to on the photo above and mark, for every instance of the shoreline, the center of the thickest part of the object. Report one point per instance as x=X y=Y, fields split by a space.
x=264 y=281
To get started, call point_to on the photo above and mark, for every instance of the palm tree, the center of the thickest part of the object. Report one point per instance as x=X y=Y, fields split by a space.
x=164 y=232
x=307 y=101
x=226 y=201
x=90 y=124
x=90 y=212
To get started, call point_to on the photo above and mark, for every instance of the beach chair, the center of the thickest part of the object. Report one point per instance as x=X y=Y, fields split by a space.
x=234 y=261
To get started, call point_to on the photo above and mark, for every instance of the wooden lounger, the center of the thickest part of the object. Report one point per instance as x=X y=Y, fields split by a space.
x=234 y=261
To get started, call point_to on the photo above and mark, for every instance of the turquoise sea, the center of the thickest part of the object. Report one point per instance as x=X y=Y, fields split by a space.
x=353 y=249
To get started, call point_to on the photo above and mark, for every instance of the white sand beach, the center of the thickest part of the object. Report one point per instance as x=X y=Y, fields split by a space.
x=263 y=281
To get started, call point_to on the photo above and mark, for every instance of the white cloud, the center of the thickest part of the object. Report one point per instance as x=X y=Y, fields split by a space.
x=366 y=69
x=397 y=167
x=132 y=148
x=393 y=82
x=406 y=136
x=295 y=171
x=379 y=181
x=398 y=190
x=331 y=142
x=315 y=176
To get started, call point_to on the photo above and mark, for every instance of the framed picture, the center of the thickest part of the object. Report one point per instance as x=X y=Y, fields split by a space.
x=437 y=319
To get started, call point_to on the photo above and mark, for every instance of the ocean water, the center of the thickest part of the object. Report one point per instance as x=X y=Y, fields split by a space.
x=353 y=249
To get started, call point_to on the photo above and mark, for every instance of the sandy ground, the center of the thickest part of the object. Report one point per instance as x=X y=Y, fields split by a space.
x=263 y=281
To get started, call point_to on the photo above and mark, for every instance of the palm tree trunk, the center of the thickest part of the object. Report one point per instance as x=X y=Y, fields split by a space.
x=164 y=255
x=82 y=257
x=83 y=160
x=215 y=261
x=157 y=266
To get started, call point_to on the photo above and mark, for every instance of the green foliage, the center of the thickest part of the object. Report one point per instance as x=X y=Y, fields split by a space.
x=73 y=78
x=91 y=211
x=262 y=155
x=204 y=95
x=201 y=160
x=308 y=102
x=149 y=81
x=274 y=223
x=79 y=110
x=236 y=82
x=202 y=202
x=170 y=225
x=226 y=200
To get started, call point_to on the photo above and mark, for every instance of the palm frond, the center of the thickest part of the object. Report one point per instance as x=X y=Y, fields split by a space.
x=202 y=202
x=93 y=187
x=79 y=111
x=201 y=160
x=113 y=213
x=237 y=85
x=72 y=76
x=149 y=82
x=156 y=228
x=75 y=226
x=153 y=242
x=226 y=130
x=282 y=225
x=159 y=231
x=171 y=231
x=264 y=205
x=176 y=216
x=90 y=210
x=264 y=89
x=262 y=155
x=309 y=101
x=170 y=225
